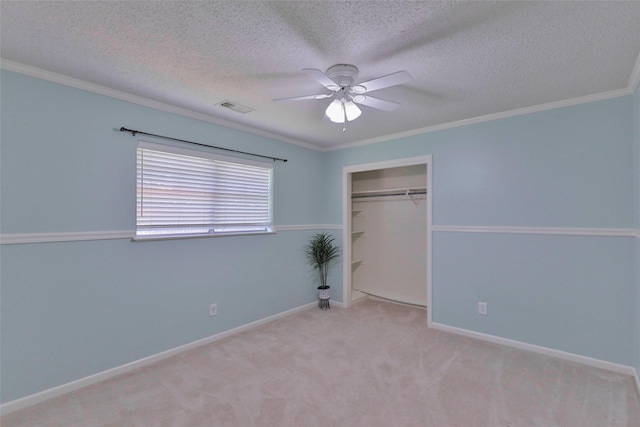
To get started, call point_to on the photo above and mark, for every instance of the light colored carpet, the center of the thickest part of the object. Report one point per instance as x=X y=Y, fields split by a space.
x=374 y=364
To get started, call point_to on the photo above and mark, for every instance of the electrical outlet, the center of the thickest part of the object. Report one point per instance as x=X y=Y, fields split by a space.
x=213 y=309
x=482 y=308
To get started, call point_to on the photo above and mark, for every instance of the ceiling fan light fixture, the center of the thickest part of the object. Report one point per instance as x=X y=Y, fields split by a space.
x=340 y=80
x=353 y=112
x=336 y=113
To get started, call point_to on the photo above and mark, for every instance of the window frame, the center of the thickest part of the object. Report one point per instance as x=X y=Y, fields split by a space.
x=208 y=156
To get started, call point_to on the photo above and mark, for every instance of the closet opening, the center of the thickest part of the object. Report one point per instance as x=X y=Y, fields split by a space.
x=387 y=231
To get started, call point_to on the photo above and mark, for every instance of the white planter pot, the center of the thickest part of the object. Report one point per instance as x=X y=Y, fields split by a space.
x=324 y=294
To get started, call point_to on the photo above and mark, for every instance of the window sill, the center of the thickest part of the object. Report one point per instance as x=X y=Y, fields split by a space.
x=198 y=236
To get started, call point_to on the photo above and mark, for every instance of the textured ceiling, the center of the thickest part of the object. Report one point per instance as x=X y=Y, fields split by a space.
x=467 y=59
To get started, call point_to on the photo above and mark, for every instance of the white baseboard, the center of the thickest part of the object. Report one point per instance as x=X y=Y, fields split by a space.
x=392 y=301
x=596 y=363
x=51 y=393
x=337 y=304
x=60 y=390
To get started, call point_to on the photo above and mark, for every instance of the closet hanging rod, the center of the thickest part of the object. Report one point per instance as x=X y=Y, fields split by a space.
x=384 y=193
x=134 y=132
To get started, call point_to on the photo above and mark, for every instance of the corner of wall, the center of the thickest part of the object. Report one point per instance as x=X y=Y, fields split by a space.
x=636 y=216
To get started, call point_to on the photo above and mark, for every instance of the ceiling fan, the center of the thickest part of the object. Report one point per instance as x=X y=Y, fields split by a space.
x=346 y=93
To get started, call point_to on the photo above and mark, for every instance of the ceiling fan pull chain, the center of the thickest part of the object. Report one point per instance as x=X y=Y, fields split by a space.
x=344 y=112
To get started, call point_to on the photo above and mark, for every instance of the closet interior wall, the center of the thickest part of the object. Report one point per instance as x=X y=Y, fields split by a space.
x=389 y=235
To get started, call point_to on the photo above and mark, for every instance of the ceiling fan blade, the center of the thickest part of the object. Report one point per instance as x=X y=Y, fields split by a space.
x=393 y=79
x=376 y=103
x=302 y=98
x=322 y=78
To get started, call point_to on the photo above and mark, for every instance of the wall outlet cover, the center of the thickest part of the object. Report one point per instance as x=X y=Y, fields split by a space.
x=482 y=308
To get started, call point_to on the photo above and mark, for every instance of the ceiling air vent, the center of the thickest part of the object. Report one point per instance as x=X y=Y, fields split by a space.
x=235 y=107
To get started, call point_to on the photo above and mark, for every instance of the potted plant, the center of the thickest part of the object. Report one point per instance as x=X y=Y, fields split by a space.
x=320 y=252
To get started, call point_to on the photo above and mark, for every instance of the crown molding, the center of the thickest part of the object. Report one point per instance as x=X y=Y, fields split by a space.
x=140 y=100
x=490 y=117
x=17 y=67
x=632 y=86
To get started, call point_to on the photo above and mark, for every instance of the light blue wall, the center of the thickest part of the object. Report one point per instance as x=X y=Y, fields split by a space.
x=69 y=170
x=568 y=167
x=570 y=293
x=73 y=309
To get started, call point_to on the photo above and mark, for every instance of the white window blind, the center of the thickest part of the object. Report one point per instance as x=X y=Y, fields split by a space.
x=183 y=192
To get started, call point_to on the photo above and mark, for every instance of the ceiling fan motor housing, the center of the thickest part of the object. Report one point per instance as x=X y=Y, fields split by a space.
x=343 y=74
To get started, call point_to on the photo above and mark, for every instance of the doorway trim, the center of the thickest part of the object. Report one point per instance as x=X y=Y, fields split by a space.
x=347 y=173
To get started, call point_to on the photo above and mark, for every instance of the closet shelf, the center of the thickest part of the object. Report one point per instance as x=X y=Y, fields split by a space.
x=357 y=233
x=356 y=262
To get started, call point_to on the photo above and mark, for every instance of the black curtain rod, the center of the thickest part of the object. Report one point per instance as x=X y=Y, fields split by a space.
x=134 y=132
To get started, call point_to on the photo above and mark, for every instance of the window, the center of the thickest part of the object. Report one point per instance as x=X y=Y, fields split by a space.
x=186 y=193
